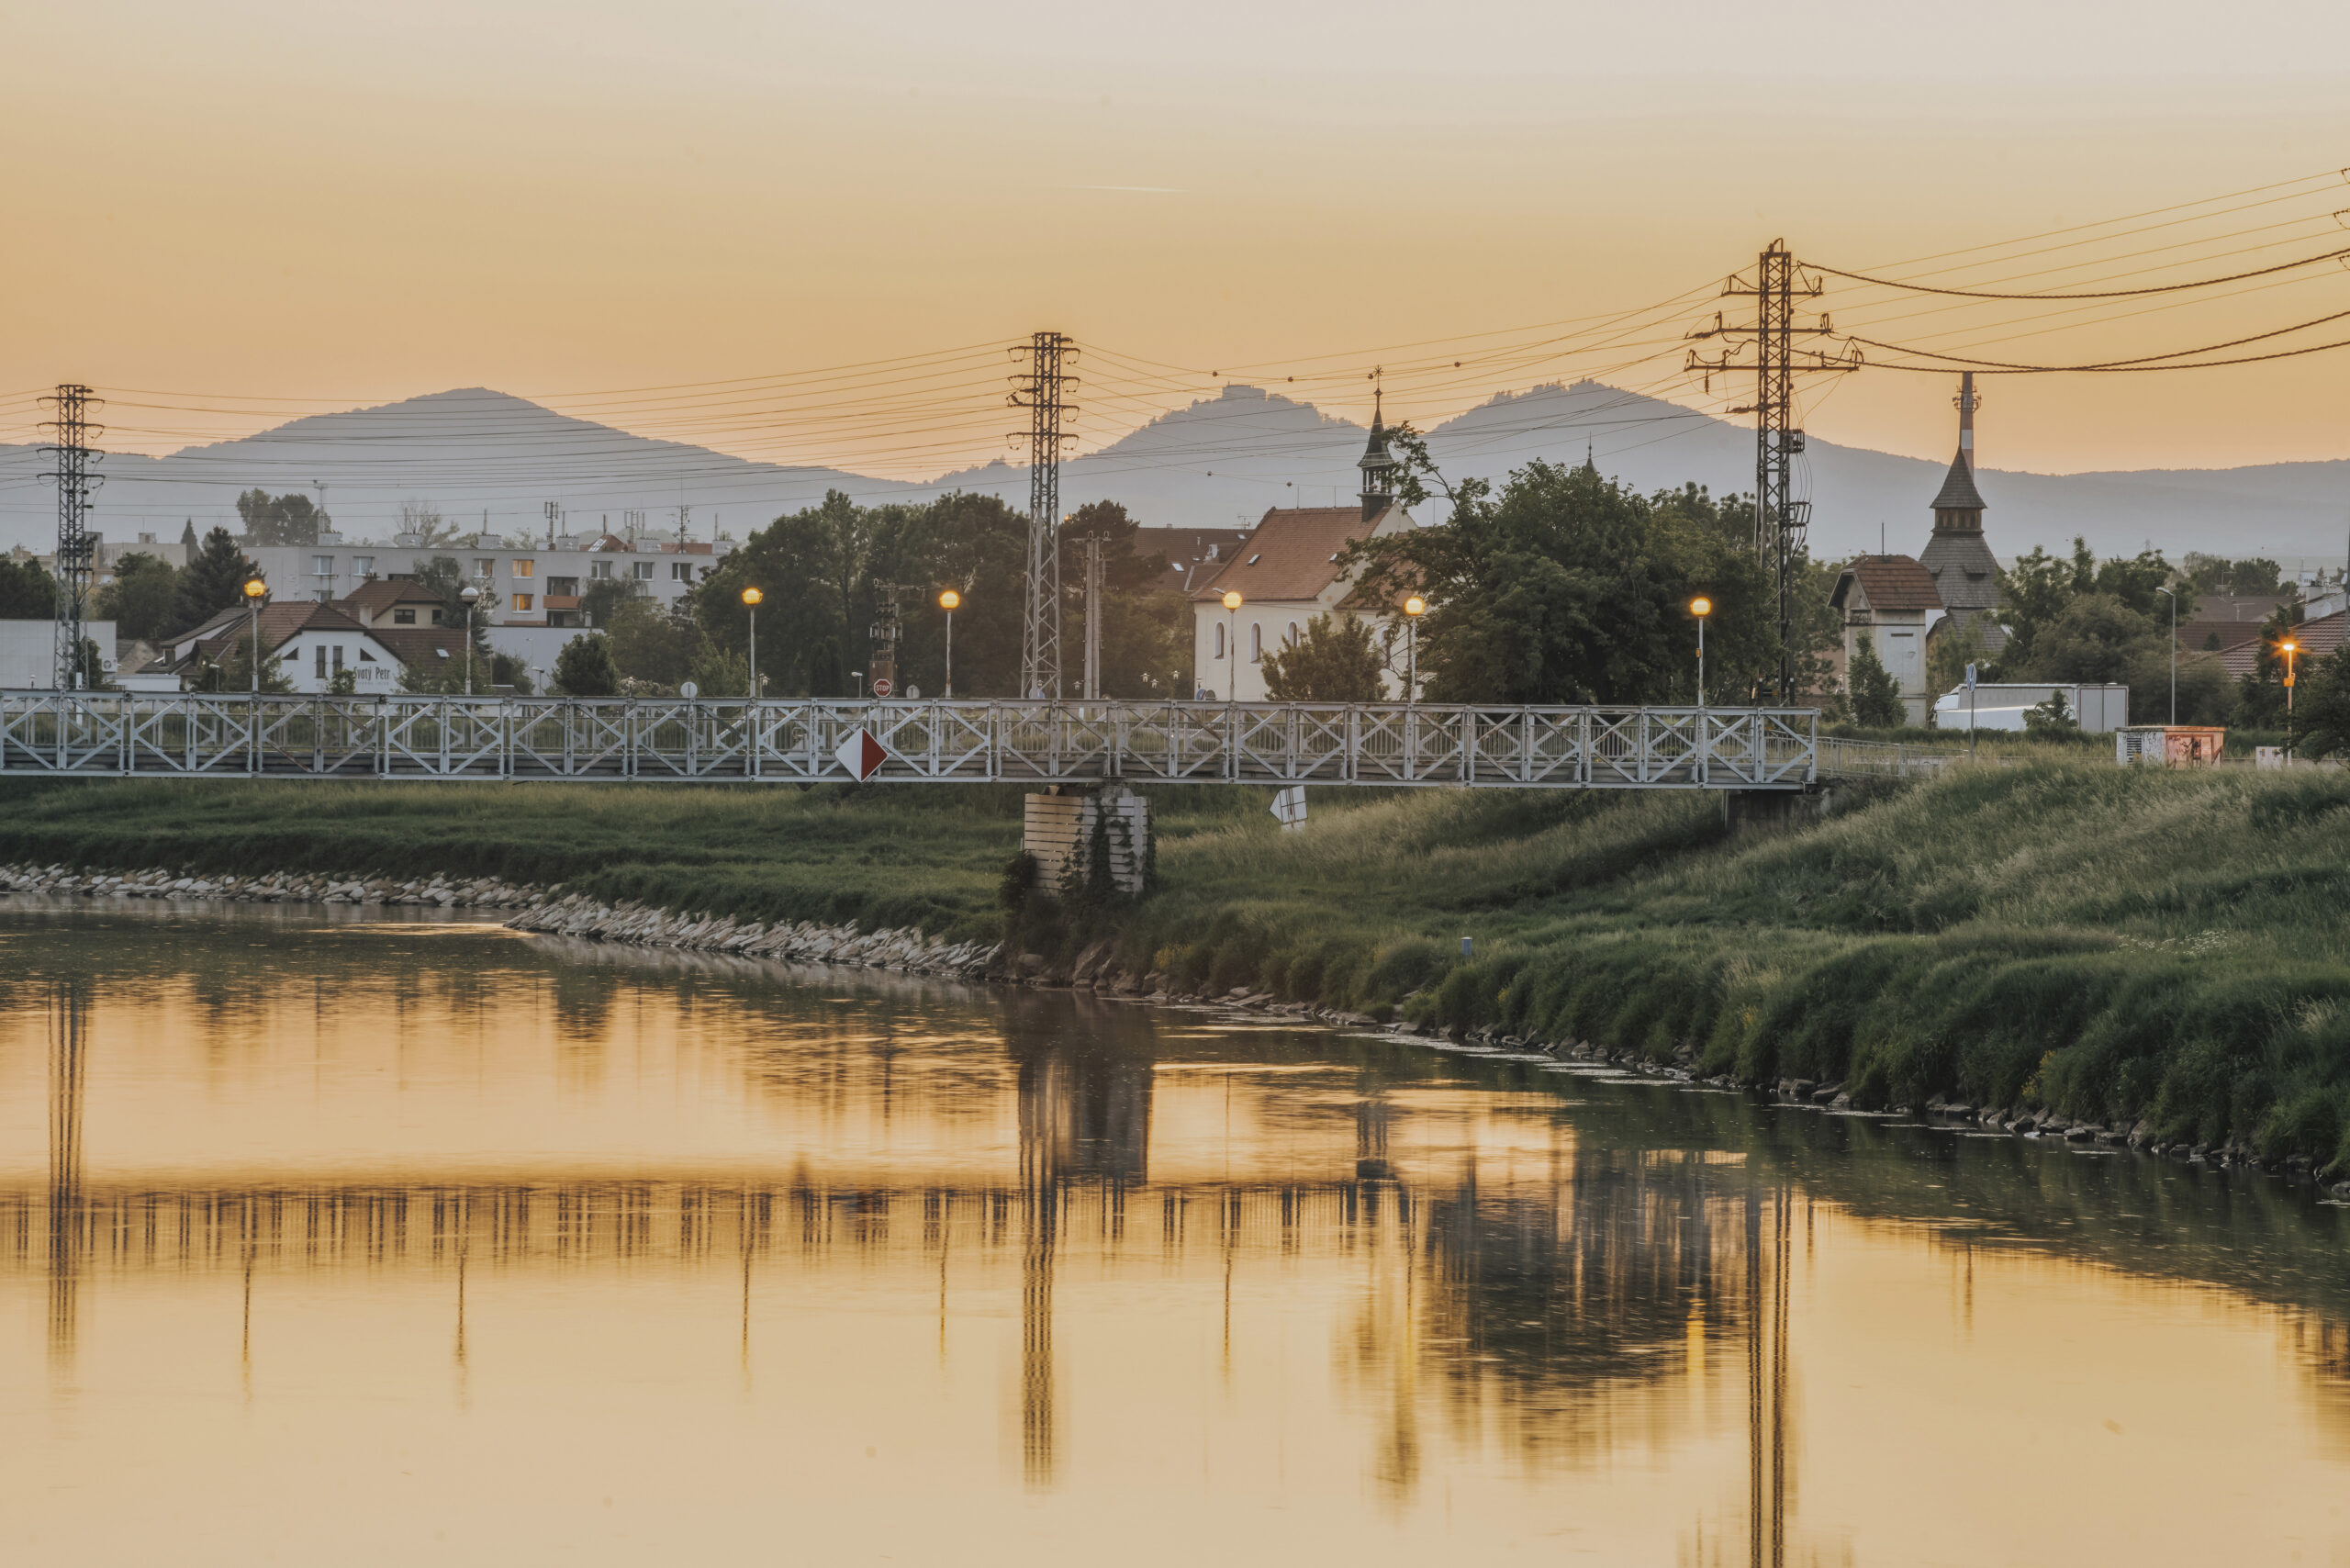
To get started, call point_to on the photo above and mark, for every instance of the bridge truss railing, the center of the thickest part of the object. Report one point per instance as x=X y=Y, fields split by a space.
x=211 y=735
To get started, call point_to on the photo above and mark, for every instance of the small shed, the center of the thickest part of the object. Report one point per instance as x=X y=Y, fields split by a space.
x=2169 y=745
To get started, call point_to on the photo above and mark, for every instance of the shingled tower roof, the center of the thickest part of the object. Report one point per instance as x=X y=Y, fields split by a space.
x=1959 y=494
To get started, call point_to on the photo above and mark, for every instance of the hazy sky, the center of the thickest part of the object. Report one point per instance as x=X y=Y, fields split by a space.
x=277 y=202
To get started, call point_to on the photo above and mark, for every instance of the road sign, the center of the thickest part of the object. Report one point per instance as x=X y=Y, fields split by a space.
x=689 y=691
x=883 y=686
x=861 y=755
x=1970 y=678
x=1289 y=805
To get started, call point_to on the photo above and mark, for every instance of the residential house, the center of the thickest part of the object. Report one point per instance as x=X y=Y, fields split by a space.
x=312 y=642
x=1286 y=572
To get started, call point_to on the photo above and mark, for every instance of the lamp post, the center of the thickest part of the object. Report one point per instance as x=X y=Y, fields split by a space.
x=1231 y=647
x=2173 y=660
x=2287 y=648
x=1701 y=607
x=751 y=598
x=948 y=601
x=472 y=596
x=1413 y=608
x=255 y=592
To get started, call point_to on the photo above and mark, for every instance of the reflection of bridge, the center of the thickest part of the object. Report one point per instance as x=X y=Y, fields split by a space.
x=109 y=734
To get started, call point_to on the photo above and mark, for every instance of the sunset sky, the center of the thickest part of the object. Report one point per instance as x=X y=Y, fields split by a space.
x=275 y=209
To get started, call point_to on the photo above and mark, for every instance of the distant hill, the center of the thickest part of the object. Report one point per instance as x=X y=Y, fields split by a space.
x=1219 y=462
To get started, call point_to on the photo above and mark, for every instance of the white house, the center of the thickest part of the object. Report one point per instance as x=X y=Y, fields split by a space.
x=1286 y=573
x=1887 y=602
x=313 y=644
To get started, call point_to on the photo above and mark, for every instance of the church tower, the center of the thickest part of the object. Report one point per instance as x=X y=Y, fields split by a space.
x=1957 y=558
x=1378 y=468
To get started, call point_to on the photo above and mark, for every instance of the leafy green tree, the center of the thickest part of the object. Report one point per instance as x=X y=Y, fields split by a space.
x=234 y=672
x=1952 y=652
x=2217 y=574
x=2051 y=718
x=344 y=683
x=1566 y=587
x=2097 y=637
x=143 y=599
x=651 y=645
x=1334 y=660
x=600 y=605
x=213 y=579
x=505 y=669
x=583 y=667
x=2322 y=705
x=26 y=593
x=280 y=520
x=1876 y=696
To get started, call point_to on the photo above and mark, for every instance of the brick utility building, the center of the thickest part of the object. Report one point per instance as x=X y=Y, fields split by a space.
x=1287 y=572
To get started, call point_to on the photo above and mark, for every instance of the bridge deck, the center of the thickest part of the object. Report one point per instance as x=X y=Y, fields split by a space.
x=109 y=734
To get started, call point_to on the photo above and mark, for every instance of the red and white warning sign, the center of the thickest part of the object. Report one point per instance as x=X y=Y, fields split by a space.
x=861 y=755
x=883 y=686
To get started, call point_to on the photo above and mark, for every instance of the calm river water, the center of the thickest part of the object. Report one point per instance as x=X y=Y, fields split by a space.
x=337 y=1239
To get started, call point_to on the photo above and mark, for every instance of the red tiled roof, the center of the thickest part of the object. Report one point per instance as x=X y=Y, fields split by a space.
x=1290 y=556
x=1888 y=583
x=2312 y=640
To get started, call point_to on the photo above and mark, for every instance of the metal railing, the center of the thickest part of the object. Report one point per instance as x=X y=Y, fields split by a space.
x=189 y=735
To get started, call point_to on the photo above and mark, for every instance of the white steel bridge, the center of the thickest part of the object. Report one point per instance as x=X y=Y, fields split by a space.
x=111 y=735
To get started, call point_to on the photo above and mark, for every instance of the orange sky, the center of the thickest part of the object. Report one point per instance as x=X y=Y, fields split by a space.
x=286 y=202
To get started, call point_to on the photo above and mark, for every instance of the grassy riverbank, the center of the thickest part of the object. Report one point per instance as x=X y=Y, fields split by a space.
x=2115 y=944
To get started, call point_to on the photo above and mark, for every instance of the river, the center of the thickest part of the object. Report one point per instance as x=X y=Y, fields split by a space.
x=332 y=1237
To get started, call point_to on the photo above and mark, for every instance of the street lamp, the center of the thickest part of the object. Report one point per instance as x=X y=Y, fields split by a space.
x=948 y=601
x=1231 y=647
x=1701 y=607
x=2174 y=657
x=255 y=592
x=1413 y=608
x=751 y=598
x=472 y=596
x=2286 y=648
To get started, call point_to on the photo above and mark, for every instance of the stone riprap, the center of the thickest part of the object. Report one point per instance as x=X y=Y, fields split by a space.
x=801 y=941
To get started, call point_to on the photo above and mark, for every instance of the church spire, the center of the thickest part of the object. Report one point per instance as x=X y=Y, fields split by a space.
x=1377 y=467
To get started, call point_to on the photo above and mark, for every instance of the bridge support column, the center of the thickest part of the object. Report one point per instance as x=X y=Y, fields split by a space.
x=1080 y=832
x=1744 y=810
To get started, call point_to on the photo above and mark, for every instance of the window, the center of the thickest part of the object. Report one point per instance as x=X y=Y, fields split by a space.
x=1290 y=641
x=365 y=658
x=681 y=571
x=320 y=649
x=1256 y=642
x=601 y=570
x=403 y=617
x=337 y=659
x=525 y=569
x=321 y=566
x=523 y=602
x=641 y=570
x=483 y=567
x=565 y=587
x=1219 y=640
x=364 y=565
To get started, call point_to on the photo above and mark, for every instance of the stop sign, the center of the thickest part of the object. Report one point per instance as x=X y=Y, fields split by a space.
x=882 y=686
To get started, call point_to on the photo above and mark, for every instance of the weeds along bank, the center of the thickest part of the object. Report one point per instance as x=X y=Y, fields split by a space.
x=2121 y=947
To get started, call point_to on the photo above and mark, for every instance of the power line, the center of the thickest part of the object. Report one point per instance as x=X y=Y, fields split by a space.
x=2104 y=294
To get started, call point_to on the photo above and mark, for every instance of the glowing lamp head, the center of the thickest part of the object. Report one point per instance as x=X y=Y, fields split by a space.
x=1232 y=600
x=2285 y=648
x=255 y=587
x=950 y=599
x=753 y=597
x=1701 y=605
x=1416 y=604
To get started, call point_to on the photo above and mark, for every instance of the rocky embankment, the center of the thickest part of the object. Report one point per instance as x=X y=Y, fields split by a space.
x=553 y=912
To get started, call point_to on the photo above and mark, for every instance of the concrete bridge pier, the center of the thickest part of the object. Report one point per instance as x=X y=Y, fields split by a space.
x=1068 y=827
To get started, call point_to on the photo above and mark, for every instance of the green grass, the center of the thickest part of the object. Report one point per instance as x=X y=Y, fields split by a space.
x=2117 y=943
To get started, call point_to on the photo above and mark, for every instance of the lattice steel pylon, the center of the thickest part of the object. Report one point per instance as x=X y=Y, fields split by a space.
x=75 y=459
x=1041 y=389
x=1780 y=517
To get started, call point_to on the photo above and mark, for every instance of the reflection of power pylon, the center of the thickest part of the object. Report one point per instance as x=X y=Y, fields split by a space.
x=68 y=1073
x=1043 y=1105
x=1767 y=1257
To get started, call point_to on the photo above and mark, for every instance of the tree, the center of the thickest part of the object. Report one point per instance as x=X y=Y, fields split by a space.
x=424 y=519
x=26 y=593
x=2097 y=637
x=2040 y=589
x=213 y=579
x=1334 y=661
x=2321 y=712
x=1957 y=647
x=234 y=673
x=143 y=599
x=280 y=520
x=1876 y=696
x=2051 y=718
x=584 y=668
x=651 y=645
x=600 y=605
x=2217 y=574
x=1565 y=587
x=187 y=541
x=448 y=582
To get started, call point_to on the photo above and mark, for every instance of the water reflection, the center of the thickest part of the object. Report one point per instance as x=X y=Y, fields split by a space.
x=1513 y=1275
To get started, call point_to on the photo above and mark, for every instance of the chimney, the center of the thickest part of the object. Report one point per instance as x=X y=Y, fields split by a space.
x=1967 y=404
